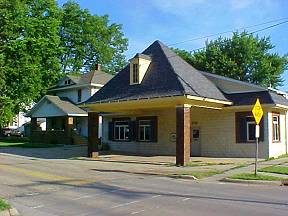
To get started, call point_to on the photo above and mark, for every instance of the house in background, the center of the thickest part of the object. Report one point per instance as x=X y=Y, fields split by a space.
x=18 y=121
x=65 y=121
x=161 y=105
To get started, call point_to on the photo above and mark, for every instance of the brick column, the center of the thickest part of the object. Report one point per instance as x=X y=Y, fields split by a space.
x=93 y=140
x=69 y=125
x=68 y=129
x=182 y=135
x=33 y=125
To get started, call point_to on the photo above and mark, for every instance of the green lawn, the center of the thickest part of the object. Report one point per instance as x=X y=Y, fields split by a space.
x=201 y=163
x=4 y=205
x=25 y=144
x=275 y=169
x=251 y=176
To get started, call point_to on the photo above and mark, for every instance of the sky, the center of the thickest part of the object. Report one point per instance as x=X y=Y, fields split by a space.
x=173 y=21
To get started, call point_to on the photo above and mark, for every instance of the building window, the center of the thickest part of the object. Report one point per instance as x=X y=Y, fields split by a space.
x=135 y=73
x=145 y=132
x=276 y=127
x=245 y=128
x=121 y=130
x=67 y=82
x=79 y=95
x=146 y=129
x=251 y=130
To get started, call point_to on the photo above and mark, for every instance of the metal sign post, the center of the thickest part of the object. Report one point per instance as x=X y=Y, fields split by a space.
x=257 y=135
x=257 y=113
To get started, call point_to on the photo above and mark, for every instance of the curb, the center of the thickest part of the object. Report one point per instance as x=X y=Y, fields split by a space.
x=190 y=177
x=10 y=212
x=254 y=182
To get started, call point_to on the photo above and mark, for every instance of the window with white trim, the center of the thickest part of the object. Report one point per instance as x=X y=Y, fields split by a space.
x=121 y=130
x=245 y=128
x=276 y=127
x=145 y=130
x=251 y=130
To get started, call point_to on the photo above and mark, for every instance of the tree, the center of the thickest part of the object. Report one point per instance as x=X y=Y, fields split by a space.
x=40 y=42
x=29 y=45
x=89 y=39
x=243 y=57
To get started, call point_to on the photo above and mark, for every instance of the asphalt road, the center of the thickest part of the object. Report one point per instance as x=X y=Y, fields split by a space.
x=80 y=188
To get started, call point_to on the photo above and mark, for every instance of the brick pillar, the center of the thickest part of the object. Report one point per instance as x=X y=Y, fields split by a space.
x=68 y=129
x=69 y=125
x=33 y=125
x=93 y=140
x=182 y=135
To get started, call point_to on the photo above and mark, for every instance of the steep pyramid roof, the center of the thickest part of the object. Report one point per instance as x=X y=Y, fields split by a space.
x=167 y=75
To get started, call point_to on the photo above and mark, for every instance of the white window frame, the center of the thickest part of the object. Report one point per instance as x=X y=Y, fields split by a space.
x=146 y=126
x=247 y=128
x=118 y=127
x=276 y=125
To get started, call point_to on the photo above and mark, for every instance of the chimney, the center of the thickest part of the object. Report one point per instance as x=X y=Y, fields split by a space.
x=97 y=67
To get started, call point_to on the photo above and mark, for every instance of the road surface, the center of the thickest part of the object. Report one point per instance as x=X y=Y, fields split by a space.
x=50 y=187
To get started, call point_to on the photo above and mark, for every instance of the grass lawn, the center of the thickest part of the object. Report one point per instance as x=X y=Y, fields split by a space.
x=251 y=176
x=4 y=205
x=198 y=175
x=25 y=144
x=200 y=163
x=275 y=169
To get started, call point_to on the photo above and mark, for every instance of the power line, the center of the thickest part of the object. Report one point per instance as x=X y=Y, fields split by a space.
x=272 y=26
x=259 y=30
x=220 y=33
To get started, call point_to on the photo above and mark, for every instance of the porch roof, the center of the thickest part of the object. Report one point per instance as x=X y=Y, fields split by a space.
x=53 y=106
x=265 y=97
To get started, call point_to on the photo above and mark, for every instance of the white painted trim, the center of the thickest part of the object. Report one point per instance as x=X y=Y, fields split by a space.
x=208 y=100
x=281 y=106
x=247 y=130
x=75 y=87
x=29 y=114
x=71 y=114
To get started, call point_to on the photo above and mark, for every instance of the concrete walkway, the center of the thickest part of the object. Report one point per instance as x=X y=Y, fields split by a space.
x=247 y=169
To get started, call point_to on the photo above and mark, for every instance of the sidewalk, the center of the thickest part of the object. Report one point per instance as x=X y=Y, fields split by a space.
x=248 y=169
x=9 y=212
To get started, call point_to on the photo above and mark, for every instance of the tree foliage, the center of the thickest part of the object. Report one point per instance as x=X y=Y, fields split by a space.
x=243 y=57
x=89 y=39
x=41 y=41
x=29 y=44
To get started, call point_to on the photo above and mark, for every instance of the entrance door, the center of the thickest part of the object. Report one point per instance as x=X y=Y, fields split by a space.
x=195 y=148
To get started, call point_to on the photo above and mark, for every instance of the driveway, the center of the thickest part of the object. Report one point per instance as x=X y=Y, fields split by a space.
x=49 y=187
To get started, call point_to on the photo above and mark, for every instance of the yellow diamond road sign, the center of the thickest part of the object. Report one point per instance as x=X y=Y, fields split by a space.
x=257 y=111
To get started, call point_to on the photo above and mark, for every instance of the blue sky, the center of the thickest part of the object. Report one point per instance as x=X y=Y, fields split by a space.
x=172 y=21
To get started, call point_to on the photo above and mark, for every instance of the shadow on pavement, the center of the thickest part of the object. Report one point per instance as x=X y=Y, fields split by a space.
x=63 y=152
x=135 y=193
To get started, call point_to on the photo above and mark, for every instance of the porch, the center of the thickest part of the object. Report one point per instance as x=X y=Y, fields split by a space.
x=65 y=122
x=60 y=130
x=150 y=127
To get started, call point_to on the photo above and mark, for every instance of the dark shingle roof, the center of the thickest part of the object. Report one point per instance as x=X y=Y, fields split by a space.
x=265 y=97
x=167 y=75
x=66 y=105
x=62 y=103
x=93 y=77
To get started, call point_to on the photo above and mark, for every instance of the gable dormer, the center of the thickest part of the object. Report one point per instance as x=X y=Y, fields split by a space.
x=67 y=81
x=138 y=68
